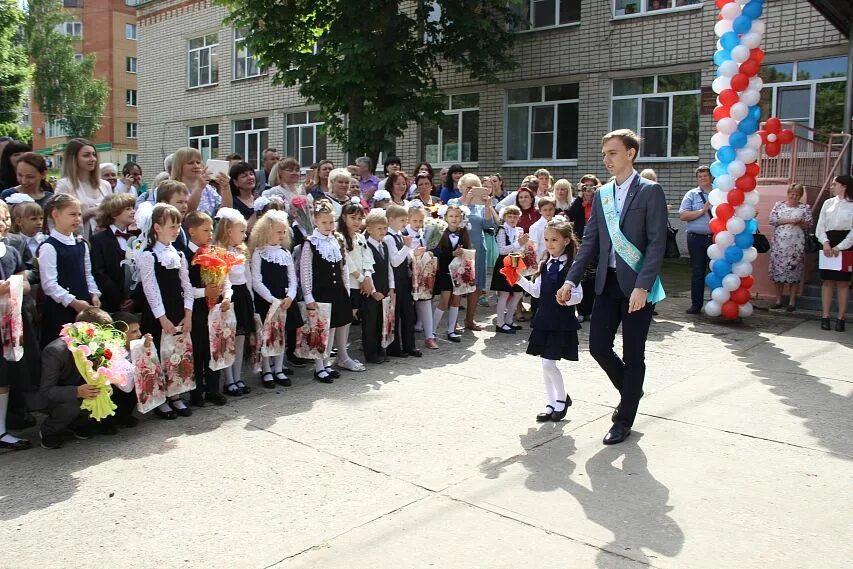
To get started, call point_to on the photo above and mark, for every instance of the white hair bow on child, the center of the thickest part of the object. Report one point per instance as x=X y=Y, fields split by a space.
x=19 y=198
x=230 y=214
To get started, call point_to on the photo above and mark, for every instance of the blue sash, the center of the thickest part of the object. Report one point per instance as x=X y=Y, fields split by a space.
x=624 y=248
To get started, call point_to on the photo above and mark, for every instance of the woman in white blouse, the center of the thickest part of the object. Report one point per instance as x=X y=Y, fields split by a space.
x=835 y=231
x=81 y=178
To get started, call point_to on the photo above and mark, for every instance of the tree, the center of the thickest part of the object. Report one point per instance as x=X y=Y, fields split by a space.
x=372 y=65
x=64 y=88
x=14 y=67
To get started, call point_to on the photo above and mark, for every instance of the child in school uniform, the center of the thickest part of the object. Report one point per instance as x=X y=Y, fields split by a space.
x=231 y=234
x=199 y=226
x=27 y=223
x=547 y=209
x=176 y=194
x=511 y=239
x=274 y=278
x=324 y=278
x=423 y=308
x=65 y=267
x=381 y=285
x=555 y=327
x=359 y=262
x=400 y=247
x=109 y=248
x=168 y=293
x=453 y=241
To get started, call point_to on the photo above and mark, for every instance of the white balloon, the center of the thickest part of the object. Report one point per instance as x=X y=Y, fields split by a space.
x=747 y=155
x=750 y=97
x=719 y=140
x=753 y=141
x=715 y=252
x=756 y=83
x=745 y=310
x=739 y=111
x=722 y=27
x=724 y=239
x=720 y=295
x=750 y=254
x=729 y=68
x=751 y=39
x=731 y=282
x=725 y=182
x=720 y=84
x=737 y=169
x=742 y=2
x=740 y=53
x=742 y=269
x=759 y=26
x=745 y=212
x=730 y=11
x=717 y=196
x=751 y=198
x=727 y=125
x=735 y=225
x=719 y=45
x=713 y=308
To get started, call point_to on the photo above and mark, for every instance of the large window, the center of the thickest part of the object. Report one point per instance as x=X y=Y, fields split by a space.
x=74 y=29
x=132 y=130
x=457 y=139
x=201 y=64
x=72 y=3
x=547 y=13
x=636 y=7
x=808 y=92
x=130 y=31
x=304 y=138
x=205 y=138
x=245 y=63
x=663 y=110
x=55 y=130
x=250 y=139
x=130 y=97
x=130 y=64
x=542 y=123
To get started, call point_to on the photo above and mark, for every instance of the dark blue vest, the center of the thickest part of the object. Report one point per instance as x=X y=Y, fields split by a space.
x=380 y=278
x=71 y=267
x=550 y=315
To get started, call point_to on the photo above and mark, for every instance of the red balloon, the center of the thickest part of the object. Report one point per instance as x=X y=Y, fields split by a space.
x=741 y=295
x=721 y=112
x=786 y=137
x=747 y=282
x=735 y=197
x=772 y=149
x=750 y=68
x=730 y=310
x=773 y=124
x=752 y=170
x=717 y=225
x=724 y=211
x=757 y=54
x=729 y=97
x=721 y=3
x=740 y=82
x=745 y=183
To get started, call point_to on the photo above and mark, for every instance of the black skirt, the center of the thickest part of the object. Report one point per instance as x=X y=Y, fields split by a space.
x=553 y=344
x=244 y=309
x=499 y=282
x=835 y=237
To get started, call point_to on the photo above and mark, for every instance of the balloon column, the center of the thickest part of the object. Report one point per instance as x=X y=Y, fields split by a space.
x=740 y=30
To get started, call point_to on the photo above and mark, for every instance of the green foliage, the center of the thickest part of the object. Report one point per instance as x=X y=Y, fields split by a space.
x=365 y=62
x=14 y=67
x=64 y=89
x=14 y=131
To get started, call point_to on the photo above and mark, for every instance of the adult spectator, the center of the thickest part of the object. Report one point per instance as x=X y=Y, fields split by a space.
x=695 y=210
x=425 y=190
x=579 y=215
x=187 y=167
x=449 y=191
x=422 y=168
x=525 y=199
x=792 y=221
x=288 y=181
x=338 y=195
x=32 y=175
x=234 y=159
x=398 y=187
x=12 y=150
x=131 y=180
x=563 y=196
x=498 y=192
x=81 y=178
x=109 y=172
x=268 y=159
x=545 y=180
x=242 y=180
x=391 y=164
x=835 y=231
x=321 y=186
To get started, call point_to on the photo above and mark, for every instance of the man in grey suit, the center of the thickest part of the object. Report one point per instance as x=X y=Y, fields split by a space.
x=262 y=176
x=626 y=272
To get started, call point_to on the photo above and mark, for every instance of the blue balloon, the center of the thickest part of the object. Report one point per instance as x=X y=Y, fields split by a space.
x=751 y=226
x=730 y=40
x=744 y=240
x=741 y=25
x=747 y=126
x=721 y=268
x=726 y=154
x=737 y=139
x=755 y=112
x=713 y=281
x=718 y=169
x=721 y=56
x=734 y=254
x=753 y=9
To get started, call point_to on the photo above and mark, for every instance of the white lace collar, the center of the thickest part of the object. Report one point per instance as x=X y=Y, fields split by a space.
x=326 y=245
x=167 y=255
x=512 y=232
x=275 y=254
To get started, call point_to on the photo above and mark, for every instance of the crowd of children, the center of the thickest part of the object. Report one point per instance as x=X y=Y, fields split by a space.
x=341 y=257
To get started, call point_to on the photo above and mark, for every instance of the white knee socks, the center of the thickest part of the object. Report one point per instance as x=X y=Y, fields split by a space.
x=511 y=305
x=341 y=337
x=503 y=297
x=4 y=404
x=235 y=372
x=452 y=317
x=436 y=320
x=424 y=309
x=554 y=386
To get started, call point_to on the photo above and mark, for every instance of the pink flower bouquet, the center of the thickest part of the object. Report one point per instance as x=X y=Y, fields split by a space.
x=176 y=353
x=223 y=347
x=313 y=337
x=149 y=386
x=463 y=272
x=272 y=334
x=388 y=321
x=530 y=259
x=11 y=322
x=424 y=269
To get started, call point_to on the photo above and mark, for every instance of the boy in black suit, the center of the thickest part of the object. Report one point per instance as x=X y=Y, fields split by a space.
x=108 y=249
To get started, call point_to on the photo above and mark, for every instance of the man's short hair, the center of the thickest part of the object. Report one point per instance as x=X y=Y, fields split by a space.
x=701 y=169
x=628 y=137
x=364 y=160
x=196 y=219
x=234 y=157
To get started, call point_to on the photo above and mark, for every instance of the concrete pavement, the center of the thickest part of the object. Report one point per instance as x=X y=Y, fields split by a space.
x=741 y=458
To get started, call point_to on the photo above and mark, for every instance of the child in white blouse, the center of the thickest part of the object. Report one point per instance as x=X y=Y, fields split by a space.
x=415 y=230
x=358 y=259
x=511 y=239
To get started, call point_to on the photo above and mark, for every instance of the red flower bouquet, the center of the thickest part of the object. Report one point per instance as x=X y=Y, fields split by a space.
x=388 y=321
x=531 y=261
x=223 y=348
x=149 y=386
x=313 y=336
x=176 y=352
x=272 y=333
x=463 y=272
x=215 y=263
x=11 y=322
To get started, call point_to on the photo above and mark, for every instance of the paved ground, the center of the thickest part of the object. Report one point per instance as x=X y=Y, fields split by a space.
x=741 y=458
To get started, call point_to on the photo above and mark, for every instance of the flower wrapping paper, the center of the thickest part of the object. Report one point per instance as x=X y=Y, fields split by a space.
x=223 y=345
x=149 y=385
x=313 y=337
x=388 y=321
x=531 y=262
x=176 y=353
x=424 y=269
x=272 y=333
x=463 y=272
x=253 y=354
x=11 y=322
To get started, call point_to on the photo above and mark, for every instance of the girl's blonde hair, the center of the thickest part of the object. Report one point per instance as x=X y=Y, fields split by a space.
x=180 y=159
x=57 y=202
x=260 y=236
x=22 y=211
x=223 y=226
x=70 y=168
x=514 y=209
x=5 y=208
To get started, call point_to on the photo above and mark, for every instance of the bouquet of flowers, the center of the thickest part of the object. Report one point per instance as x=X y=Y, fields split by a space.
x=215 y=263
x=531 y=261
x=101 y=359
x=433 y=230
x=313 y=337
x=300 y=210
x=513 y=266
x=424 y=269
x=223 y=347
x=11 y=322
x=272 y=333
x=463 y=272
x=150 y=390
x=176 y=351
x=253 y=354
x=388 y=321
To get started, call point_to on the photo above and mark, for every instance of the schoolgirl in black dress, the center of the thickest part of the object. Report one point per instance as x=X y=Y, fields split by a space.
x=555 y=329
x=455 y=239
x=511 y=239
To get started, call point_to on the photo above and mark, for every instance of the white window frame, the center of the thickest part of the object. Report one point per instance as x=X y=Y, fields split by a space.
x=131 y=97
x=130 y=64
x=132 y=158
x=201 y=139
x=73 y=28
x=530 y=28
x=131 y=130
x=289 y=129
x=52 y=129
x=644 y=10
x=249 y=58
x=247 y=133
x=542 y=103
x=655 y=95
x=130 y=31
x=212 y=71
x=457 y=113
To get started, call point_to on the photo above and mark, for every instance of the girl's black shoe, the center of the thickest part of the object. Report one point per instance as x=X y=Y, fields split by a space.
x=167 y=415
x=243 y=387
x=323 y=377
x=824 y=324
x=839 y=325
x=559 y=416
x=545 y=417
x=282 y=379
x=268 y=383
x=233 y=389
x=333 y=372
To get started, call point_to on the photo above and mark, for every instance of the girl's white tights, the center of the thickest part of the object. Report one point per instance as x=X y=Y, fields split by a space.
x=507 y=303
x=554 y=388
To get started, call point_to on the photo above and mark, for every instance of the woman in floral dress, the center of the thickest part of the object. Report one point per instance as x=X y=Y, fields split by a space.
x=792 y=220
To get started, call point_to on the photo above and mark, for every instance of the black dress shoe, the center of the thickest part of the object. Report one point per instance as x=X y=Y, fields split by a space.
x=185 y=412
x=516 y=327
x=333 y=372
x=616 y=411
x=545 y=417
x=824 y=324
x=233 y=390
x=323 y=377
x=839 y=325
x=216 y=398
x=243 y=387
x=50 y=441
x=454 y=337
x=20 y=444
x=282 y=379
x=398 y=354
x=693 y=310
x=416 y=353
x=197 y=399
x=617 y=433
x=268 y=383
x=167 y=415
x=559 y=416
